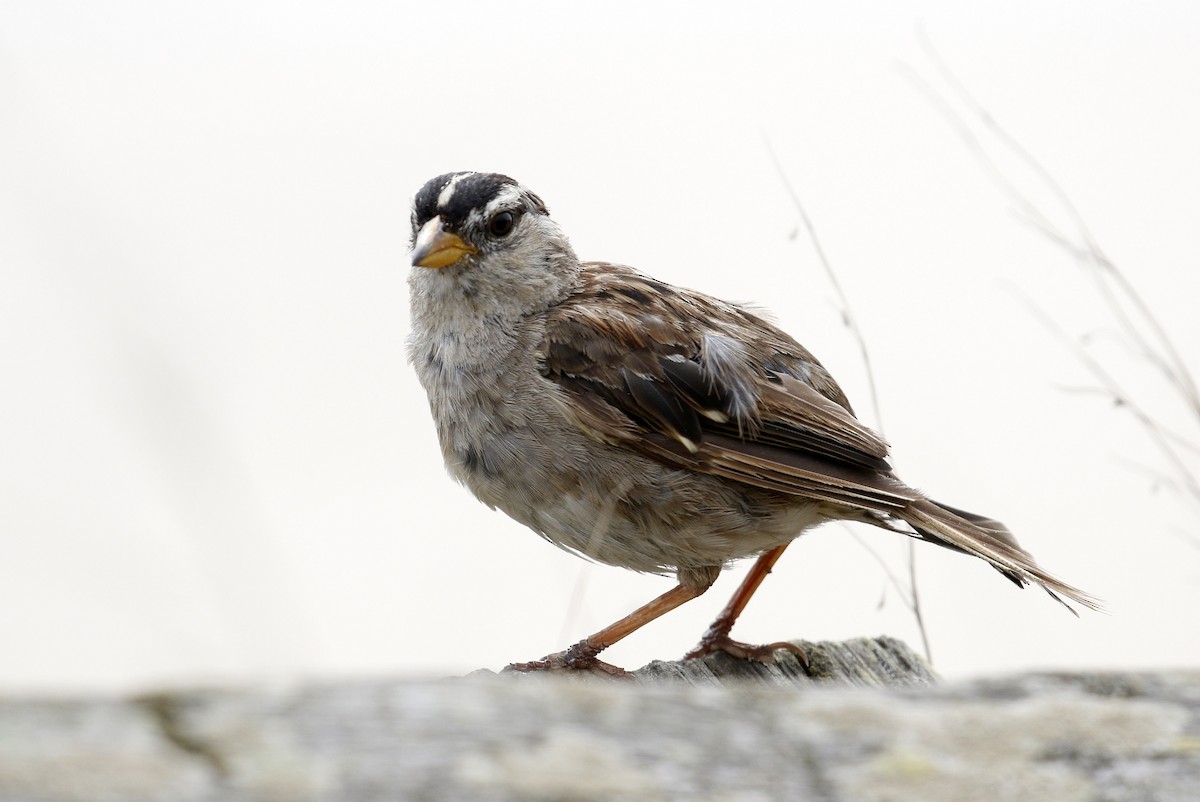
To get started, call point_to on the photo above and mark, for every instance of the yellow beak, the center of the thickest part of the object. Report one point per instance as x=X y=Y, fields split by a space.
x=436 y=247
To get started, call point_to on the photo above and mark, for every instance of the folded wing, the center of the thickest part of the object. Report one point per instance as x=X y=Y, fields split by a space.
x=706 y=386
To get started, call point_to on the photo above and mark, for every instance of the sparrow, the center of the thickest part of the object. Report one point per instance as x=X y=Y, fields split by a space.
x=641 y=424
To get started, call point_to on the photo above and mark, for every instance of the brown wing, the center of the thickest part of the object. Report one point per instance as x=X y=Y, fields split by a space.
x=700 y=384
x=706 y=386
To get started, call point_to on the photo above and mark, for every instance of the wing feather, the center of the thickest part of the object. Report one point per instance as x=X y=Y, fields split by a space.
x=705 y=386
x=739 y=393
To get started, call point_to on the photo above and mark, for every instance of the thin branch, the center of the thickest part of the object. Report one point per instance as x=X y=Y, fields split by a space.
x=912 y=598
x=1181 y=380
x=846 y=311
x=893 y=580
x=1139 y=327
x=1171 y=363
x=1119 y=396
x=907 y=594
x=1033 y=216
x=916 y=600
x=974 y=145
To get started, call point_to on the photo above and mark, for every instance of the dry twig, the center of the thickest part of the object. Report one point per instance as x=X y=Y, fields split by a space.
x=1135 y=322
x=909 y=595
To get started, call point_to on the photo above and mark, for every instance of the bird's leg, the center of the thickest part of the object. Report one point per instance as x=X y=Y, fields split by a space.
x=716 y=638
x=582 y=656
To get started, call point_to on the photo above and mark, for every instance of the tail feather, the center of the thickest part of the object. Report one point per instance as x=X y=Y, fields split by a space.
x=989 y=540
x=990 y=525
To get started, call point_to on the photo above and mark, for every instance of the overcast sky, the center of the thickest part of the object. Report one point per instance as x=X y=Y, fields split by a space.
x=215 y=464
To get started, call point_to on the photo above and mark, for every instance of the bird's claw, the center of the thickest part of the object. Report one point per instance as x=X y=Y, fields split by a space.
x=580 y=657
x=721 y=642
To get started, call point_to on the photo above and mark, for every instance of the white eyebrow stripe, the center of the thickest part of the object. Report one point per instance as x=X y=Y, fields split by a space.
x=508 y=196
x=448 y=191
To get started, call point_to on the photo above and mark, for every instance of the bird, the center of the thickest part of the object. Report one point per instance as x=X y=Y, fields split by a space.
x=641 y=424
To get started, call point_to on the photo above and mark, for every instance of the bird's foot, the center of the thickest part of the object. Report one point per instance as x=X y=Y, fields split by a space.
x=580 y=657
x=717 y=641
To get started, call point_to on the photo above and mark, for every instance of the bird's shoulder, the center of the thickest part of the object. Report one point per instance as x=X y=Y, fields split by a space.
x=638 y=356
x=617 y=317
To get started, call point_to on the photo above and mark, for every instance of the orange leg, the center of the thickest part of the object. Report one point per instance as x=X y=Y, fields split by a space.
x=583 y=654
x=716 y=638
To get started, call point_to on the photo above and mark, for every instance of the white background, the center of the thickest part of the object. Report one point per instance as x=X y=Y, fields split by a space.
x=216 y=466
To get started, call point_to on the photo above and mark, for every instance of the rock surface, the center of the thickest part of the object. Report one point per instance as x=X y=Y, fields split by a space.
x=872 y=726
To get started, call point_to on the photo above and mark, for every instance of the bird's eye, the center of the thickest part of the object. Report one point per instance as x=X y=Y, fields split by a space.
x=501 y=224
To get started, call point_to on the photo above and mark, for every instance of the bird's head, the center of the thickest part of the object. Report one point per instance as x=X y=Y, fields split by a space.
x=485 y=236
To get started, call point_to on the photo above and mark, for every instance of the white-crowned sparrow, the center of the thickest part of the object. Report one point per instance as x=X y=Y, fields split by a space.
x=641 y=424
